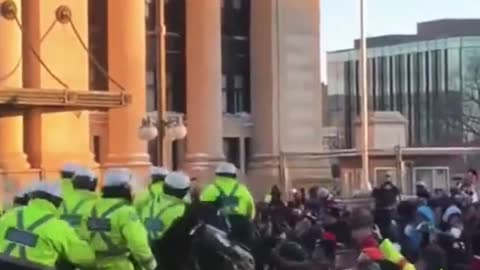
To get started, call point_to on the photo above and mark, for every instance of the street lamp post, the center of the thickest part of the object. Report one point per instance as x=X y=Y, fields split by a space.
x=164 y=128
x=364 y=94
x=161 y=80
x=173 y=127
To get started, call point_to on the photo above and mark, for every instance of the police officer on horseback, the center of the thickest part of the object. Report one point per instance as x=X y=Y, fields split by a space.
x=233 y=199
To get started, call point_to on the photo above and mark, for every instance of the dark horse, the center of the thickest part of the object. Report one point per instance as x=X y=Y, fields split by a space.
x=177 y=249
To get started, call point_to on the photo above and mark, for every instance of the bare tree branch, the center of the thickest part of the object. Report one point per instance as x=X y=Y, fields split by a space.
x=466 y=117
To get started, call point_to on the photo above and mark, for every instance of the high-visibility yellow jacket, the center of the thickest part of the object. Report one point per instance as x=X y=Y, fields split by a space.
x=34 y=233
x=67 y=187
x=231 y=195
x=160 y=214
x=116 y=232
x=393 y=255
x=76 y=208
x=153 y=190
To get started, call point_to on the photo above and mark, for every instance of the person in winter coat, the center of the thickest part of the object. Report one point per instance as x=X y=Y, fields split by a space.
x=475 y=260
x=422 y=192
x=452 y=239
x=418 y=232
x=432 y=257
x=361 y=224
x=386 y=197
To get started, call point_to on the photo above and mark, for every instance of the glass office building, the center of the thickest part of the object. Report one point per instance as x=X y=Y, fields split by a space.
x=433 y=81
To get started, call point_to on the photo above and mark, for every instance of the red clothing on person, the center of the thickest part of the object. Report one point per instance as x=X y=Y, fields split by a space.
x=328 y=236
x=475 y=263
x=373 y=253
x=370 y=248
x=369 y=241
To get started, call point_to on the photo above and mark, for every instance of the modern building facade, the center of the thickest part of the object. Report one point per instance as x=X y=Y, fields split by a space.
x=430 y=77
x=246 y=74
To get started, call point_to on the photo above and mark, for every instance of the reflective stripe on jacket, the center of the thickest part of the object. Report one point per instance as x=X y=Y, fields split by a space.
x=231 y=196
x=393 y=255
x=35 y=234
x=160 y=214
x=115 y=232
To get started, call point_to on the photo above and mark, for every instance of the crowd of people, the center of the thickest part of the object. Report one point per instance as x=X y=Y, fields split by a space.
x=70 y=225
x=438 y=229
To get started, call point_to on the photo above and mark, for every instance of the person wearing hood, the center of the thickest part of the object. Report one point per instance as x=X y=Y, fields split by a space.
x=66 y=174
x=418 y=232
x=157 y=177
x=35 y=234
x=77 y=207
x=115 y=230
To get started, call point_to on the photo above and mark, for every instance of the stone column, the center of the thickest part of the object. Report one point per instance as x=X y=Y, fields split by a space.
x=65 y=136
x=12 y=156
x=264 y=168
x=204 y=82
x=286 y=92
x=127 y=64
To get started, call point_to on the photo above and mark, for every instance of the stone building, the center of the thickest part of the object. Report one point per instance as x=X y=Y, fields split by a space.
x=246 y=74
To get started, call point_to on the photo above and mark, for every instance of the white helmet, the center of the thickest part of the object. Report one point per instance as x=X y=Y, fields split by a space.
x=421 y=184
x=117 y=177
x=226 y=168
x=177 y=180
x=160 y=171
x=85 y=173
x=53 y=189
x=323 y=193
x=24 y=191
x=70 y=168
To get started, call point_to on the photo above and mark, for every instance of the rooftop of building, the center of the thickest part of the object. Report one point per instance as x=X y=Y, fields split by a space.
x=429 y=30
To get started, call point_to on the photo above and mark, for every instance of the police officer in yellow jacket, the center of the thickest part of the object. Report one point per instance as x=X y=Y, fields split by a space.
x=162 y=211
x=77 y=207
x=35 y=234
x=157 y=175
x=231 y=196
x=66 y=173
x=115 y=230
x=233 y=199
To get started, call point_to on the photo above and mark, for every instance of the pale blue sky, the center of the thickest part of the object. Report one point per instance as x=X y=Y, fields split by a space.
x=340 y=18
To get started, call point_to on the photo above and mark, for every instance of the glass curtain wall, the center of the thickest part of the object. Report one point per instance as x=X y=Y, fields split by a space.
x=434 y=84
